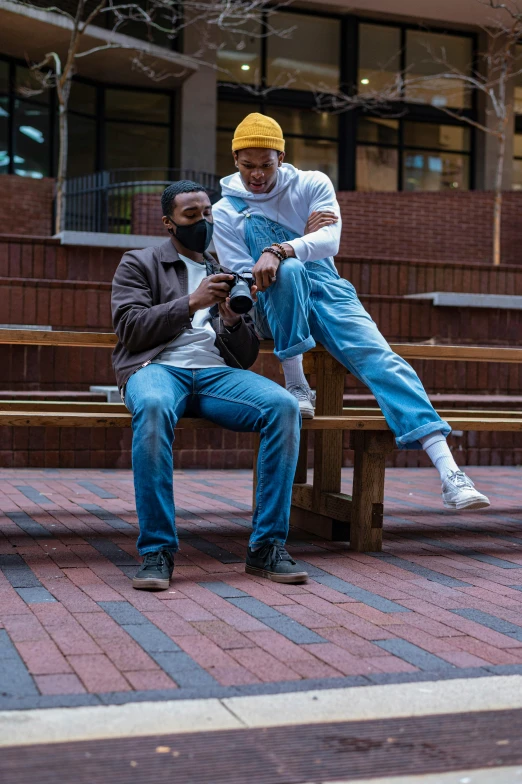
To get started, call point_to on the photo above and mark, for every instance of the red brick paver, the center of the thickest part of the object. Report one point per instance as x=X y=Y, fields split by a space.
x=445 y=596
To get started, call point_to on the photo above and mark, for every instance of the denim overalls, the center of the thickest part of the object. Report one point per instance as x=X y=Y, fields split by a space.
x=309 y=303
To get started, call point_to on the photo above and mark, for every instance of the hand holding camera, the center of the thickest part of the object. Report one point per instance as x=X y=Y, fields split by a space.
x=235 y=294
x=212 y=290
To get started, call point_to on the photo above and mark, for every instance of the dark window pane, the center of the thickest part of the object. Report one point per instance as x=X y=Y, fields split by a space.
x=135 y=146
x=432 y=171
x=309 y=58
x=31 y=153
x=239 y=55
x=377 y=169
x=434 y=136
x=230 y=114
x=517 y=68
x=82 y=98
x=4 y=76
x=377 y=130
x=28 y=86
x=4 y=145
x=433 y=54
x=224 y=159
x=313 y=155
x=82 y=146
x=134 y=105
x=303 y=122
x=379 y=57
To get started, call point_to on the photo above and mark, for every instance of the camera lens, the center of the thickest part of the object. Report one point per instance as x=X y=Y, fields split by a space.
x=240 y=299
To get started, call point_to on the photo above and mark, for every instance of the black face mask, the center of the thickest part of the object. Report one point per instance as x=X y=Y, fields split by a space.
x=196 y=236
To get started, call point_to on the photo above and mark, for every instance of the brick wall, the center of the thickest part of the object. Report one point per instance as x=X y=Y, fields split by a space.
x=68 y=287
x=431 y=226
x=146 y=215
x=26 y=205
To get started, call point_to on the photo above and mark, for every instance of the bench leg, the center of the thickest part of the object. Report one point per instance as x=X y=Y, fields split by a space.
x=368 y=489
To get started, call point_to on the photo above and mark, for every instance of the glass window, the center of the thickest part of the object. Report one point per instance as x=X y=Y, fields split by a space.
x=436 y=137
x=379 y=57
x=230 y=113
x=31 y=152
x=376 y=168
x=4 y=135
x=224 y=158
x=434 y=171
x=4 y=76
x=135 y=146
x=304 y=122
x=313 y=155
x=133 y=105
x=309 y=58
x=239 y=55
x=377 y=130
x=82 y=98
x=428 y=55
x=81 y=158
x=28 y=86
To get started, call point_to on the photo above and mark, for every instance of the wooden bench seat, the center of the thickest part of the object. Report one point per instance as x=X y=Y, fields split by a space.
x=319 y=507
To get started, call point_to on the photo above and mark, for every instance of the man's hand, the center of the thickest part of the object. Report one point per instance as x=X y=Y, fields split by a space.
x=212 y=289
x=265 y=271
x=317 y=220
x=228 y=317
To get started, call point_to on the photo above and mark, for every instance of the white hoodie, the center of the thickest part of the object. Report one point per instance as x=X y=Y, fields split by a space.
x=295 y=195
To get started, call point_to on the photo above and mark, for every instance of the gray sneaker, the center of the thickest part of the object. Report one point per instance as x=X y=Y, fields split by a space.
x=306 y=399
x=458 y=492
x=275 y=563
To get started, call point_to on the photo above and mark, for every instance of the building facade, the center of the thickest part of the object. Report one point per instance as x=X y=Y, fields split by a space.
x=281 y=65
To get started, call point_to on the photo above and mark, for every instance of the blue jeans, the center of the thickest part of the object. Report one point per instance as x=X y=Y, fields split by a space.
x=158 y=395
x=310 y=303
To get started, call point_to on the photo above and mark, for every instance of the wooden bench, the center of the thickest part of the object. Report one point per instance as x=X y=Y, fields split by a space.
x=319 y=507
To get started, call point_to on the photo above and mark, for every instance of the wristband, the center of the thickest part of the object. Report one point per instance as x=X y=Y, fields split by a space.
x=275 y=252
x=281 y=248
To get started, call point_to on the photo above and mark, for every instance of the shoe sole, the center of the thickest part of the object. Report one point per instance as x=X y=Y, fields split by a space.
x=470 y=505
x=150 y=584
x=301 y=577
x=307 y=412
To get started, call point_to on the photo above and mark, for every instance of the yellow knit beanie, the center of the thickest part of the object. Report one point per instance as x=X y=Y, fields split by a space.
x=258 y=130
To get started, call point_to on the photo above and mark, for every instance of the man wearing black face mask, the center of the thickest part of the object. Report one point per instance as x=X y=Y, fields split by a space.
x=182 y=351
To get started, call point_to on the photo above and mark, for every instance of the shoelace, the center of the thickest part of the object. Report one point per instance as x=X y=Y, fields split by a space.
x=301 y=393
x=459 y=479
x=153 y=560
x=277 y=552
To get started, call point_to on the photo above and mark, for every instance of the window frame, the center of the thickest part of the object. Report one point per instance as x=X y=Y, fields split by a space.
x=349 y=57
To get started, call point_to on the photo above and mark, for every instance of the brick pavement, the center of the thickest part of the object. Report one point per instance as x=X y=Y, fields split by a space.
x=442 y=600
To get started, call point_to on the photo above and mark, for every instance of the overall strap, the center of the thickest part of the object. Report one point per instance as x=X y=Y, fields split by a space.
x=239 y=204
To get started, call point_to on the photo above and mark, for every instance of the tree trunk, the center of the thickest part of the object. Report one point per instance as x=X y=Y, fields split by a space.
x=497 y=210
x=63 y=136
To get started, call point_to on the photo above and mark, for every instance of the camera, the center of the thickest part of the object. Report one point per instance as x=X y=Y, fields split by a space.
x=240 y=298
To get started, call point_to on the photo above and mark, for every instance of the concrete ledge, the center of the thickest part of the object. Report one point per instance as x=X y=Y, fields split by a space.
x=102 y=240
x=450 y=299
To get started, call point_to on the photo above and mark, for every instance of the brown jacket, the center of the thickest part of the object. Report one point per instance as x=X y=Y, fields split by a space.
x=150 y=307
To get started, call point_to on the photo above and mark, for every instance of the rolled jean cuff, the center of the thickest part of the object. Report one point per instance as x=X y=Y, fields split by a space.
x=146 y=550
x=294 y=351
x=411 y=440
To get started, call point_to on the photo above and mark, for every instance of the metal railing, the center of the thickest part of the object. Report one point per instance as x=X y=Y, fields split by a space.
x=125 y=201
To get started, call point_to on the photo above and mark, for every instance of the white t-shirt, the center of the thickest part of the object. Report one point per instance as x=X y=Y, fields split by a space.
x=194 y=348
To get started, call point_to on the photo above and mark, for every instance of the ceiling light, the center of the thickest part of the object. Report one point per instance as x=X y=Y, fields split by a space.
x=365 y=81
x=32 y=133
x=245 y=67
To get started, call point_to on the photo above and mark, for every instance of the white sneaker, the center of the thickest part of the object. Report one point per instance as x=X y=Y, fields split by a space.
x=458 y=492
x=306 y=399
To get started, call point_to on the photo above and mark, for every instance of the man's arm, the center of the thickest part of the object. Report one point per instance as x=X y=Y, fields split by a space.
x=320 y=197
x=138 y=323
x=229 y=241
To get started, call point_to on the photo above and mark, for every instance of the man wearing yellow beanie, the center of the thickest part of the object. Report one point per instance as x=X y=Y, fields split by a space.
x=284 y=225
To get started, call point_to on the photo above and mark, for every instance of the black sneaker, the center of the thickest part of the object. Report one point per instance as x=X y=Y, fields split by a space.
x=274 y=562
x=155 y=572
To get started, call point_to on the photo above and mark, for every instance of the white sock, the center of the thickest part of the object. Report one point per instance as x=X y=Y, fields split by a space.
x=437 y=449
x=293 y=370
